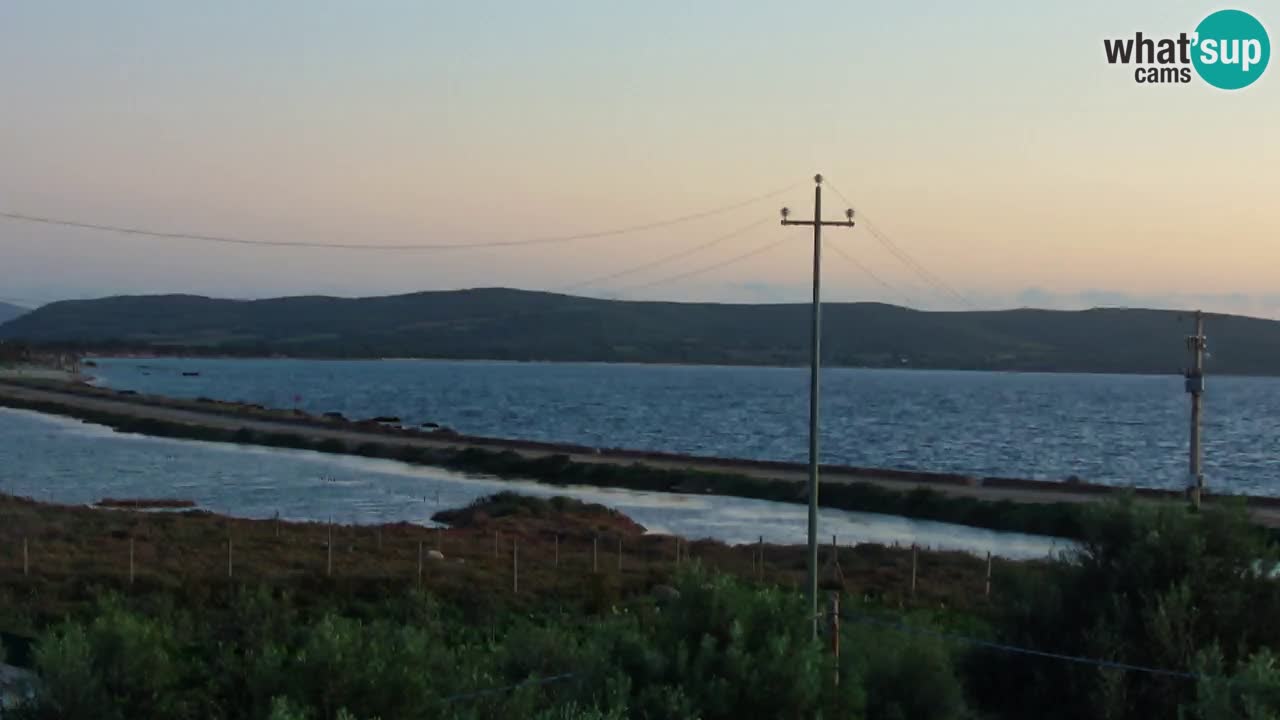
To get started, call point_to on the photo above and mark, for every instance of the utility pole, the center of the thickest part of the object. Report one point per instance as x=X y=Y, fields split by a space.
x=1195 y=386
x=815 y=346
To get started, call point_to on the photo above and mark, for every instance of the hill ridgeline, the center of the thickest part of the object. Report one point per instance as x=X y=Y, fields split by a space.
x=524 y=325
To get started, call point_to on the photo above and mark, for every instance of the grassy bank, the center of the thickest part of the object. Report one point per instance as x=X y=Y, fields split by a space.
x=1061 y=519
x=54 y=559
x=1162 y=615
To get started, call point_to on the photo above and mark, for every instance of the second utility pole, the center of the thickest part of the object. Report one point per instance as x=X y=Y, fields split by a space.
x=1195 y=386
x=815 y=365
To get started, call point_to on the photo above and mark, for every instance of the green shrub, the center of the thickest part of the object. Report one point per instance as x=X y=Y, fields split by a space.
x=1251 y=692
x=905 y=678
x=1152 y=586
x=121 y=665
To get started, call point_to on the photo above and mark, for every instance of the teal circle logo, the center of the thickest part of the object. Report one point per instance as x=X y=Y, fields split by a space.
x=1232 y=49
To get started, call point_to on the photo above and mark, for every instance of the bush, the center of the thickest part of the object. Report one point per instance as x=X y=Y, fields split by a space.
x=121 y=665
x=1152 y=586
x=1252 y=692
x=905 y=678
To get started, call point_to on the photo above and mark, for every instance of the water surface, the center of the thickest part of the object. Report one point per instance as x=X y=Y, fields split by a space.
x=68 y=461
x=1117 y=429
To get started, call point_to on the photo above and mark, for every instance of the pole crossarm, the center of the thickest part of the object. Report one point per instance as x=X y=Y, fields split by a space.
x=823 y=223
x=815 y=369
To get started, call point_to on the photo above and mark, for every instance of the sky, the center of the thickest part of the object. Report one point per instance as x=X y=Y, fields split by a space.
x=989 y=142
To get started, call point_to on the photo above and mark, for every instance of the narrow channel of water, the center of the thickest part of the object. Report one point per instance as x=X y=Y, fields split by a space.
x=64 y=460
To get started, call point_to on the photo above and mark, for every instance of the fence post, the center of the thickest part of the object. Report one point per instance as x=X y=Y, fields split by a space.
x=515 y=566
x=987 y=592
x=760 y=558
x=914 y=555
x=26 y=558
x=595 y=545
x=228 y=554
x=495 y=544
x=419 y=562
x=328 y=566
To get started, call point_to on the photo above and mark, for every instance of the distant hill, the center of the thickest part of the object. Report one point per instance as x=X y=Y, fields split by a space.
x=9 y=312
x=522 y=325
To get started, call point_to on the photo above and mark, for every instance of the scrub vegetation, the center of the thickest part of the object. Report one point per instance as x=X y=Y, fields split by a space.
x=1164 y=612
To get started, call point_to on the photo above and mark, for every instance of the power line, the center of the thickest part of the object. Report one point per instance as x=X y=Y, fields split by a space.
x=903 y=256
x=508 y=688
x=915 y=265
x=707 y=268
x=227 y=239
x=669 y=258
x=1013 y=649
x=869 y=272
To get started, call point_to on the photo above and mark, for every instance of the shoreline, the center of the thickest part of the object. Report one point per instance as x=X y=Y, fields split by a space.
x=657 y=363
x=1008 y=504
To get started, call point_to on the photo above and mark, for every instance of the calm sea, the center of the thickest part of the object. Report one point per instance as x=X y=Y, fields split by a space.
x=1118 y=429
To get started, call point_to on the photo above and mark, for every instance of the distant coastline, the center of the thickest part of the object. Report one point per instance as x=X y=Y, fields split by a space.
x=504 y=325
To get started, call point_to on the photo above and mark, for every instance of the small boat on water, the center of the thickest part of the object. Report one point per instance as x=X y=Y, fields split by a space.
x=190 y=374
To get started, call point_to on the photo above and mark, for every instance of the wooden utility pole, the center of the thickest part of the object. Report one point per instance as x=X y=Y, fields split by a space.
x=915 y=561
x=987 y=591
x=815 y=347
x=834 y=629
x=1195 y=386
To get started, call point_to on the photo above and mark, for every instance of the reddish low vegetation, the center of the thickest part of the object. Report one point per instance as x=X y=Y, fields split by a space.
x=54 y=558
x=524 y=515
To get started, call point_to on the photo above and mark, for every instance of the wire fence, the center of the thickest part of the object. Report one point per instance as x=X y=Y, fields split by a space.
x=906 y=629
x=532 y=682
x=130 y=548
x=130 y=545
